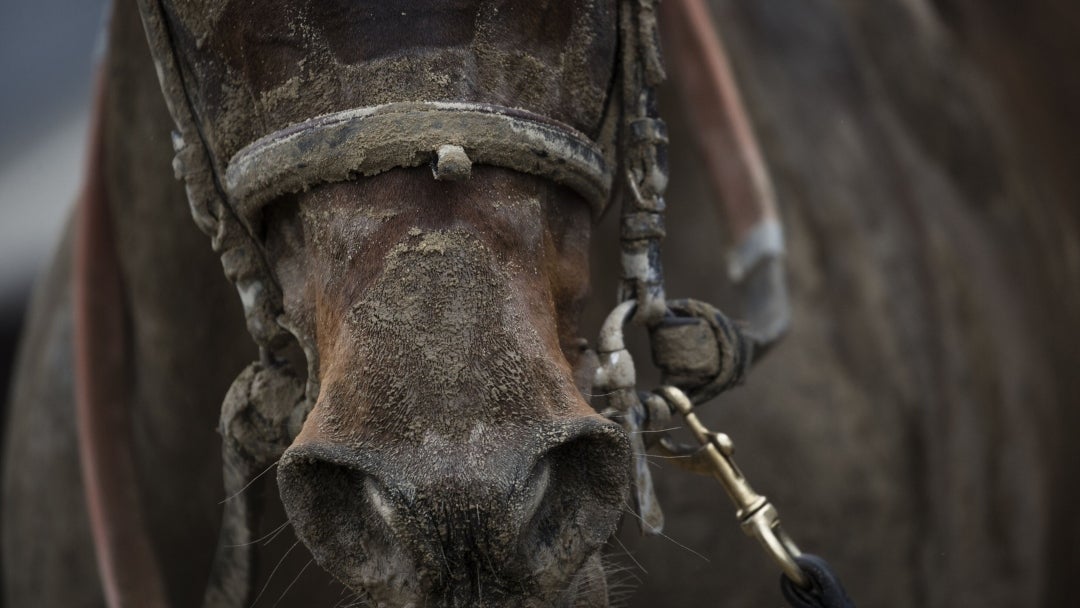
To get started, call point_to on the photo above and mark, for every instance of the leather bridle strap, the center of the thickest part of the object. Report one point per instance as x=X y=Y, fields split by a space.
x=734 y=166
x=367 y=141
x=126 y=562
x=724 y=135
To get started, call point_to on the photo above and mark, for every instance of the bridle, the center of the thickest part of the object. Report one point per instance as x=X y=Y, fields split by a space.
x=700 y=351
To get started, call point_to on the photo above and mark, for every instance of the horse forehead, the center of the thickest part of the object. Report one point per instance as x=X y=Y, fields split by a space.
x=255 y=67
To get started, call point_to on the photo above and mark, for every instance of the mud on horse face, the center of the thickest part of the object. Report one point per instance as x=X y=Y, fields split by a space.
x=450 y=454
x=449 y=457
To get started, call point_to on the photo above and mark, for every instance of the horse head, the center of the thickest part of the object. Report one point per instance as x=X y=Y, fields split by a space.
x=450 y=456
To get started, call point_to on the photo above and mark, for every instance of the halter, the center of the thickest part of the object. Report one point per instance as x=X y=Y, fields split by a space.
x=697 y=347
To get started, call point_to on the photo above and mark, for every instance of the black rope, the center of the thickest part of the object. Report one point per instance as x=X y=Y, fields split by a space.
x=825 y=590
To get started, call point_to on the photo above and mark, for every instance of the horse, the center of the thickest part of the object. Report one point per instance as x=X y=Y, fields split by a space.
x=447 y=434
x=911 y=409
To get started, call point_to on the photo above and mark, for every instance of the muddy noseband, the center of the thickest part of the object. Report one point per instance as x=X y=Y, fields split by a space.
x=367 y=141
x=701 y=351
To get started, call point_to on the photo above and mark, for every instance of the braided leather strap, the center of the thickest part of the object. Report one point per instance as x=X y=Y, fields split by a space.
x=644 y=140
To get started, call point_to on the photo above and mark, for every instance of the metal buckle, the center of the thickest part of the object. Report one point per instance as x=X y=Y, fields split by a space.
x=617 y=376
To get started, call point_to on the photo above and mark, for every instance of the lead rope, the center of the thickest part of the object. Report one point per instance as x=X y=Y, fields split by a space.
x=695 y=345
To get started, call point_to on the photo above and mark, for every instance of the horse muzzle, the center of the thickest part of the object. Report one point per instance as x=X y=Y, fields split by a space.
x=507 y=517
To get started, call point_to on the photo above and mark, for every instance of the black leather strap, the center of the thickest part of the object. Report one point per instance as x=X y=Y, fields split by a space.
x=825 y=590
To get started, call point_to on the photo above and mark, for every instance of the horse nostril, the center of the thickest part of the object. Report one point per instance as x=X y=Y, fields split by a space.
x=420 y=522
x=588 y=478
x=595 y=461
x=379 y=503
x=536 y=488
x=329 y=483
x=345 y=517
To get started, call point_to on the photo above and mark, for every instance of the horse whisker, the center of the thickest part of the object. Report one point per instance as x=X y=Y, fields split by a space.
x=667 y=430
x=272 y=573
x=677 y=543
x=277 y=533
x=273 y=532
x=628 y=554
x=248 y=484
x=296 y=578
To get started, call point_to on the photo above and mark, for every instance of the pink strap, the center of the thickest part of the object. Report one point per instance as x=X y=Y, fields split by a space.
x=722 y=128
x=126 y=562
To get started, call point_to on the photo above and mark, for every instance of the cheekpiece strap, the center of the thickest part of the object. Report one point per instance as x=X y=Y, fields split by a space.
x=644 y=139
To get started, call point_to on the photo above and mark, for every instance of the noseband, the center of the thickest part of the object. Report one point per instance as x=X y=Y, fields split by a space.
x=700 y=351
x=368 y=141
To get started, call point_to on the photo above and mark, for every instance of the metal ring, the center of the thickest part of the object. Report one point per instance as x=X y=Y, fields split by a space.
x=611 y=332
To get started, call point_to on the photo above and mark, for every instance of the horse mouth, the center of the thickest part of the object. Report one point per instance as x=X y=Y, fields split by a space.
x=511 y=530
x=588 y=589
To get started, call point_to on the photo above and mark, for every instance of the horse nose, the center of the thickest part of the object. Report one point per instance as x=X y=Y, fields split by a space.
x=441 y=517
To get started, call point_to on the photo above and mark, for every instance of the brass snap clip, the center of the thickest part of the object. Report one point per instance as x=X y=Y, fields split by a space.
x=757 y=516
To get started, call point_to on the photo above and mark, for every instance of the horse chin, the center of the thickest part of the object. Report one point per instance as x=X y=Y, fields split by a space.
x=587 y=589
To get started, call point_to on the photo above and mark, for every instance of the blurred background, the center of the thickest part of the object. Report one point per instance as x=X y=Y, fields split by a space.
x=47 y=50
